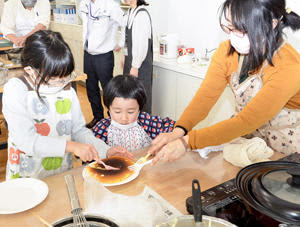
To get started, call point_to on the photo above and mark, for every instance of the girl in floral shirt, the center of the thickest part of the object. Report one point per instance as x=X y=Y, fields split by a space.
x=125 y=96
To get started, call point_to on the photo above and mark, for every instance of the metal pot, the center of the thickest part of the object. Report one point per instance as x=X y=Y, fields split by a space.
x=93 y=220
x=272 y=188
x=188 y=221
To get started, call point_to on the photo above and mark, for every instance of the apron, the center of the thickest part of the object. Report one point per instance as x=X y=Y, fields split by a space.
x=27 y=24
x=52 y=117
x=132 y=136
x=282 y=132
x=146 y=69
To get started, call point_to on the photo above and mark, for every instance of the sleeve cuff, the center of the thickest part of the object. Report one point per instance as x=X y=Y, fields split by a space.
x=185 y=131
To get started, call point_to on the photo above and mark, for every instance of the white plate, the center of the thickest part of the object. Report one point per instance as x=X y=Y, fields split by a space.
x=85 y=174
x=21 y=194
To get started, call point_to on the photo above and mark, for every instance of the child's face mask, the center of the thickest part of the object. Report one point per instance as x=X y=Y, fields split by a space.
x=124 y=111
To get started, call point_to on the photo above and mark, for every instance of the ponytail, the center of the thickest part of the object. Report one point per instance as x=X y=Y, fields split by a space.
x=291 y=19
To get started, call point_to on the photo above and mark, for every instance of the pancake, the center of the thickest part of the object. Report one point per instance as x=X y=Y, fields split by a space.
x=111 y=176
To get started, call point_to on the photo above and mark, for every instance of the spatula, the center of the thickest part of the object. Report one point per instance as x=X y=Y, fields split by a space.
x=106 y=167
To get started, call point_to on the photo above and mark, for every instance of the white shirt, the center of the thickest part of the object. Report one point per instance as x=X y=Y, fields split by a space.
x=100 y=20
x=141 y=33
x=12 y=8
x=22 y=131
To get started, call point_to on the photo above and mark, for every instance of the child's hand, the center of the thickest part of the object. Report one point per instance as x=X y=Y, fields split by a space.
x=119 y=151
x=86 y=152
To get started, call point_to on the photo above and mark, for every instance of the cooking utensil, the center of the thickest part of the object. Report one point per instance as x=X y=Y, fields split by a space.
x=106 y=167
x=138 y=166
x=143 y=159
x=78 y=217
x=42 y=219
x=140 y=163
x=273 y=188
x=197 y=205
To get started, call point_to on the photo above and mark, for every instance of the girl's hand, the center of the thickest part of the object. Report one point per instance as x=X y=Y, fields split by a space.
x=170 y=152
x=134 y=71
x=119 y=151
x=163 y=139
x=86 y=152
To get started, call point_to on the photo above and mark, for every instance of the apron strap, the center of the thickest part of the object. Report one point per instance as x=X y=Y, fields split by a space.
x=241 y=60
x=266 y=61
x=23 y=79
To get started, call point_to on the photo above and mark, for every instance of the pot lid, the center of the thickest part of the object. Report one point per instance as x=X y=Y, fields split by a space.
x=283 y=184
x=272 y=188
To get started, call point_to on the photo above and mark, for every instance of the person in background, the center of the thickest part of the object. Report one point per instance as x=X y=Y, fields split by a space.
x=101 y=20
x=45 y=122
x=138 y=49
x=263 y=72
x=125 y=96
x=21 y=18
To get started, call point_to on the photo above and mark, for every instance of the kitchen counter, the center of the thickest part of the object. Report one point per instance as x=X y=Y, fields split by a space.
x=172 y=181
x=194 y=70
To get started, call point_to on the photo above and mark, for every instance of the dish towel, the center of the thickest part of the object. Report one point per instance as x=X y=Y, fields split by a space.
x=242 y=152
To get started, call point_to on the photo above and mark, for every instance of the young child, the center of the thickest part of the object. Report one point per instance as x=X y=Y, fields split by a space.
x=45 y=122
x=125 y=96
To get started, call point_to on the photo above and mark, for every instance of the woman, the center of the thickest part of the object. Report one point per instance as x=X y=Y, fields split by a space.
x=264 y=74
x=138 y=48
x=21 y=18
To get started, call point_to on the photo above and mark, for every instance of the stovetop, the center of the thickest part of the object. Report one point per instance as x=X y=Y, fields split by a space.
x=223 y=201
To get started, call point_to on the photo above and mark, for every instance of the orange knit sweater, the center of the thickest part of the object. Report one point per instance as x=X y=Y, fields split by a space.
x=281 y=88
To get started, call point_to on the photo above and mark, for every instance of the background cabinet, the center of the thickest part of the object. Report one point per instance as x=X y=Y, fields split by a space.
x=173 y=91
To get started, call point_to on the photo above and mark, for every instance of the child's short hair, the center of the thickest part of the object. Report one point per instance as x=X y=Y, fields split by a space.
x=124 y=86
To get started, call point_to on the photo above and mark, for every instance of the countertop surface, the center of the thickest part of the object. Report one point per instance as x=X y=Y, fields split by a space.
x=195 y=70
x=171 y=180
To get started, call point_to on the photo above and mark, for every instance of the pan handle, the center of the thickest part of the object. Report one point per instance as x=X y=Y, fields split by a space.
x=197 y=203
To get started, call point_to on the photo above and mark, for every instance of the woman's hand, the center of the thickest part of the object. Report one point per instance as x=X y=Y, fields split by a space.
x=119 y=151
x=19 y=41
x=117 y=48
x=134 y=71
x=171 y=152
x=163 y=139
x=122 y=62
x=86 y=152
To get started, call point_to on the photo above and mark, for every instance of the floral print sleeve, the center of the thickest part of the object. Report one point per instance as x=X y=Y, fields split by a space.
x=154 y=125
x=100 y=129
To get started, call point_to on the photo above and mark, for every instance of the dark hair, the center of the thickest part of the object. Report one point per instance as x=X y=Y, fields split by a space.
x=128 y=87
x=49 y=54
x=255 y=17
x=141 y=2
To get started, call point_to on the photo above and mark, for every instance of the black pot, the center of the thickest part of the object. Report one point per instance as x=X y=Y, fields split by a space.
x=93 y=220
x=272 y=188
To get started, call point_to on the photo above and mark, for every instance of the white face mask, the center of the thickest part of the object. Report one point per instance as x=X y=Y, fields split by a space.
x=240 y=44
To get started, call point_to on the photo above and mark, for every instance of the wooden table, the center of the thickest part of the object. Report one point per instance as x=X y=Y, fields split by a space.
x=172 y=181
